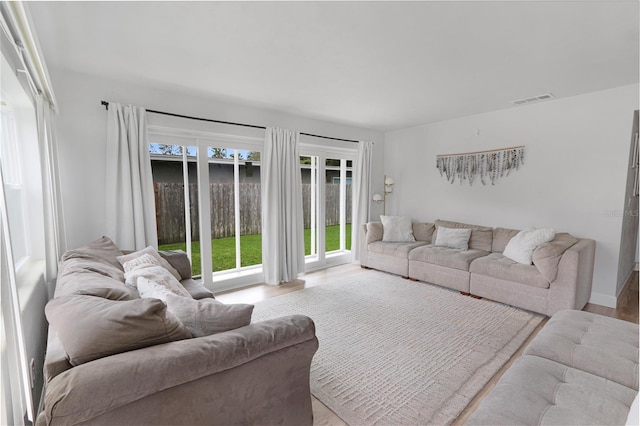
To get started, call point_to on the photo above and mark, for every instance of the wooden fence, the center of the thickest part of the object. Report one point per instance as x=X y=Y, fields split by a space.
x=170 y=209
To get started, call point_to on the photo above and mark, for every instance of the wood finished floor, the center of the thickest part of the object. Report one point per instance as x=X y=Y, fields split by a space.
x=322 y=416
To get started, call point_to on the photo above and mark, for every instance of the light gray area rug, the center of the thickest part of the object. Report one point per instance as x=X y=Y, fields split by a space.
x=397 y=352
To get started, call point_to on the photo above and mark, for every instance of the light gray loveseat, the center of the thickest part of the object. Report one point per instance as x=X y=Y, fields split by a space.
x=560 y=278
x=581 y=369
x=257 y=374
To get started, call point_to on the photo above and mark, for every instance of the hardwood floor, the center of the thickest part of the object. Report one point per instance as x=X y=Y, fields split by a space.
x=627 y=310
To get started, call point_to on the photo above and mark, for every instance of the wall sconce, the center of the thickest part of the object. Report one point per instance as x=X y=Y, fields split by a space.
x=388 y=189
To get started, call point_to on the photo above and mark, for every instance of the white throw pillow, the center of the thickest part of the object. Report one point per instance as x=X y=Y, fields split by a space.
x=457 y=238
x=151 y=279
x=520 y=248
x=397 y=229
x=634 y=416
x=152 y=289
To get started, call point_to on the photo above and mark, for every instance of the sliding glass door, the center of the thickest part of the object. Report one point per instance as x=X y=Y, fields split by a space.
x=208 y=201
x=327 y=196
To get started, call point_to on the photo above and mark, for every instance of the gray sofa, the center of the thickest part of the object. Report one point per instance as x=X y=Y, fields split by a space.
x=256 y=374
x=560 y=278
x=581 y=369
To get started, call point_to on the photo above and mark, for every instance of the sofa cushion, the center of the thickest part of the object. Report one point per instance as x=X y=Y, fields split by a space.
x=501 y=237
x=400 y=250
x=498 y=266
x=101 y=250
x=397 y=229
x=547 y=256
x=109 y=327
x=374 y=232
x=72 y=276
x=453 y=238
x=104 y=292
x=537 y=391
x=520 y=248
x=604 y=346
x=481 y=236
x=423 y=231
x=445 y=256
x=208 y=316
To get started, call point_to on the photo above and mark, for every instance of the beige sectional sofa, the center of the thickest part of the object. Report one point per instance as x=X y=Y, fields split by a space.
x=581 y=369
x=559 y=278
x=255 y=374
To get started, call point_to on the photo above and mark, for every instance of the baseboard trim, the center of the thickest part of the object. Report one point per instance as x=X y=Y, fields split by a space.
x=603 y=300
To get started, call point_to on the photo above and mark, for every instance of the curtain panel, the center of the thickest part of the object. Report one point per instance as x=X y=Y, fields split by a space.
x=282 y=222
x=55 y=238
x=361 y=198
x=130 y=199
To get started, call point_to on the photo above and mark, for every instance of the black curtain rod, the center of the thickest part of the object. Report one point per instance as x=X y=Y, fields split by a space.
x=106 y=105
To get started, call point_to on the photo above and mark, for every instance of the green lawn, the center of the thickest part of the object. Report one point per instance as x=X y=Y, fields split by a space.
x=224 y=249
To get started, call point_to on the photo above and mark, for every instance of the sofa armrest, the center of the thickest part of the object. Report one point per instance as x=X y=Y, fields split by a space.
x=572 y=287
x=196 y=289
x=95 y=388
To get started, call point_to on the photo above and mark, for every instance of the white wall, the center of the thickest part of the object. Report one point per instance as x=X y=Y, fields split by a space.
x=573 y=178
x=81 y=127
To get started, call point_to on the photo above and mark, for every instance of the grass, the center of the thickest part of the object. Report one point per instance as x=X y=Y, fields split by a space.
x=224 y=249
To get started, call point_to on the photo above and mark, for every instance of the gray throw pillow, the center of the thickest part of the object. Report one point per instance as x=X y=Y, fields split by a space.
x=179 y=260
x=91 y=327
x=208 y=316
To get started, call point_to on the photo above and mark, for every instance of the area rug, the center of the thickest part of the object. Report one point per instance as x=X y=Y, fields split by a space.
x=397 y=352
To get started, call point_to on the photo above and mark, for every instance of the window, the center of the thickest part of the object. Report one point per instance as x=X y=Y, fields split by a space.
x=21 y=175
x=208 y=184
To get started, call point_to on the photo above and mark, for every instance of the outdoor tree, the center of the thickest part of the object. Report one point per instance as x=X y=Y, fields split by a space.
x=164 y=149
x=253 y=156
x=217 y=153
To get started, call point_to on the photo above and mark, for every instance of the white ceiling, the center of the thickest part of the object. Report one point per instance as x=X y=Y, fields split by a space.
x=378 y=65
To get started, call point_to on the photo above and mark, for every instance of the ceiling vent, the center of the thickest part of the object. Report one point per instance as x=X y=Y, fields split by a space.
x=533 y=99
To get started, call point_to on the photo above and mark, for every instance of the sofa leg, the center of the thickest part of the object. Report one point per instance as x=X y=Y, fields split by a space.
x=406 y=278
x=465 y=294
x=414 y=279
x=364 y=267
x=475 y=297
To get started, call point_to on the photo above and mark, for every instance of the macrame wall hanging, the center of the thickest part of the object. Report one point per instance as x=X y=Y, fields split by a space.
x=488 y=165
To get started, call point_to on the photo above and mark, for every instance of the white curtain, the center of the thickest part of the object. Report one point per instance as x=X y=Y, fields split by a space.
x=361 y=196
x=130 y=198
x=55 y=239
x=282 y=225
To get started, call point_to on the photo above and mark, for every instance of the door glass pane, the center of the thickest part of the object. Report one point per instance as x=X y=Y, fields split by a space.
x=338 y=176
x=250 y=208
x=222 y=198
x=172 y=166
x=348 y=203
x=309 y=171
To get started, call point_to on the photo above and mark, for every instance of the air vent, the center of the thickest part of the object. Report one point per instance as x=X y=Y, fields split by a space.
x=538 y=98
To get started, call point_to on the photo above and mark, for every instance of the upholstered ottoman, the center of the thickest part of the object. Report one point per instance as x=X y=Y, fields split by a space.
x=603 y=346
x=581 y=368
x=536 y=391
